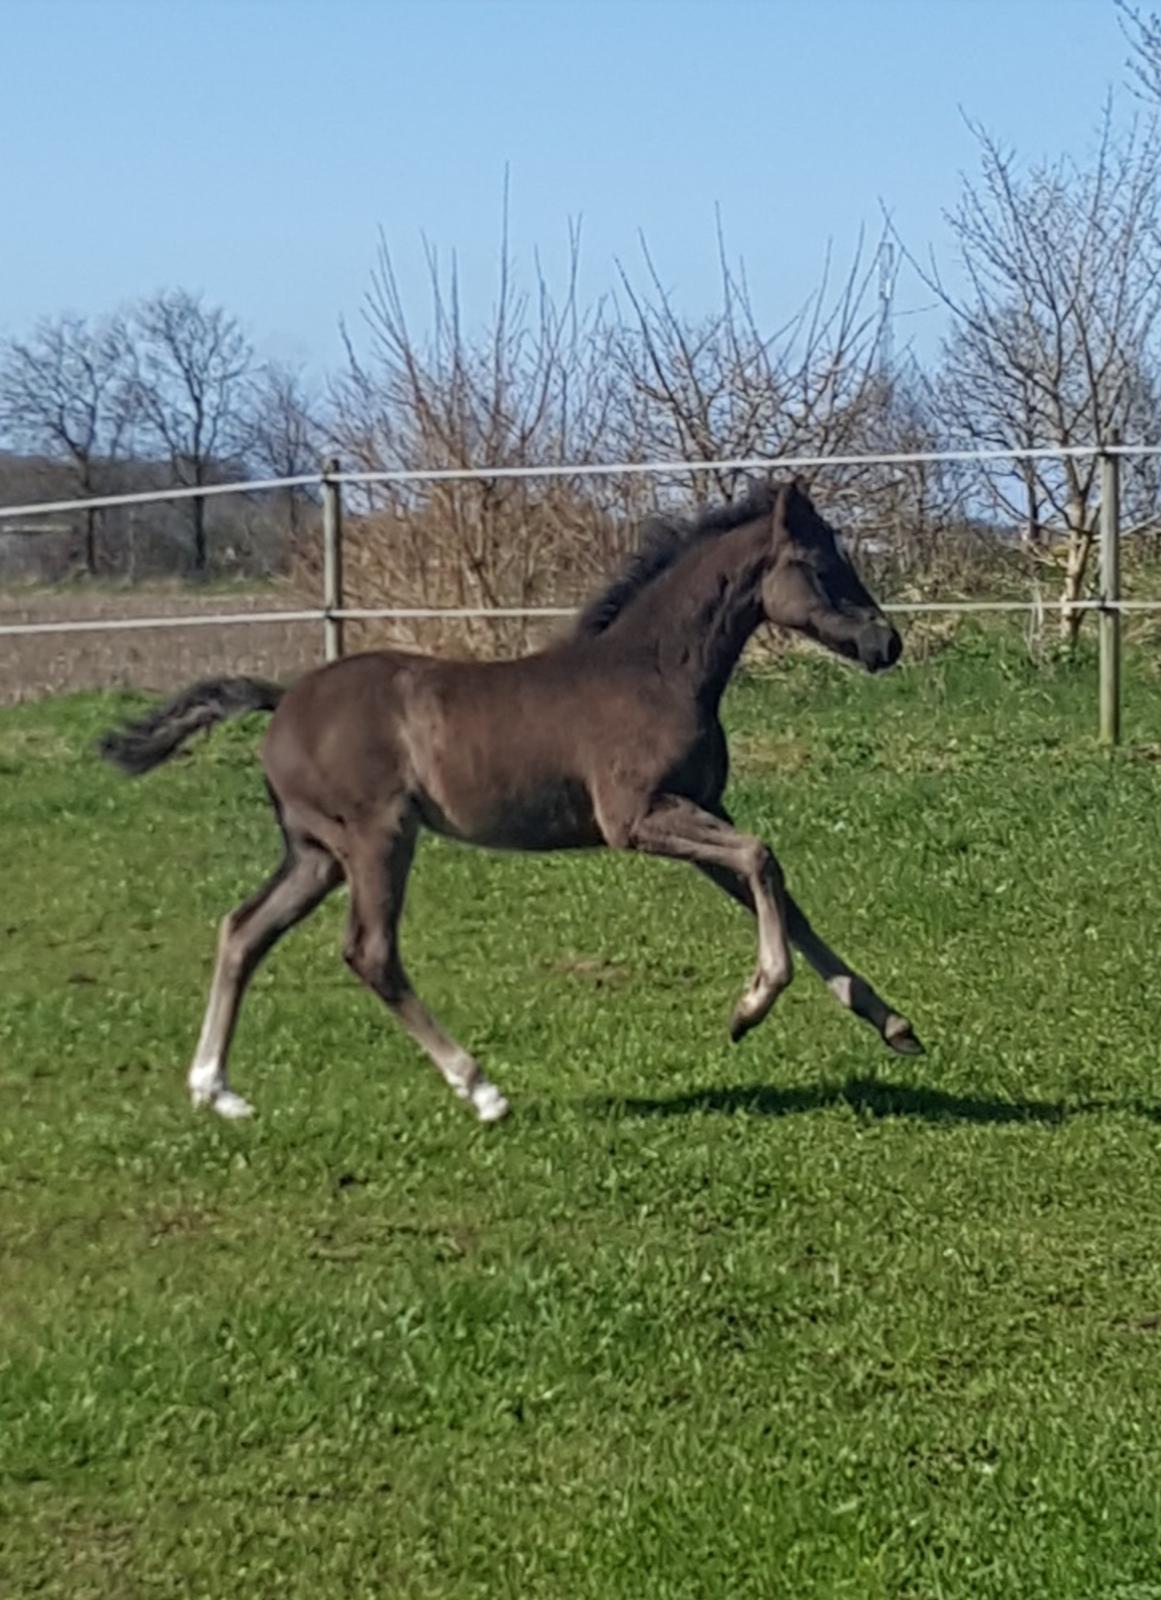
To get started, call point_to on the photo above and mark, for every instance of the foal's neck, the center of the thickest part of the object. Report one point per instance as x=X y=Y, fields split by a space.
x=700 y=614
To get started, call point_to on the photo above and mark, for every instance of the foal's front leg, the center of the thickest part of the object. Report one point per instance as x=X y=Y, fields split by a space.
x=679 y=829
x=849 y=987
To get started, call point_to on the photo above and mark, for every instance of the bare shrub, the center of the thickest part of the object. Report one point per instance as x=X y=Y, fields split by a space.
x=545 y=382
x=533 y=387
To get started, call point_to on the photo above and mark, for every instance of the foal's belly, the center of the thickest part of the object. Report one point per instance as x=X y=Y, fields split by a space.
x=555 y=815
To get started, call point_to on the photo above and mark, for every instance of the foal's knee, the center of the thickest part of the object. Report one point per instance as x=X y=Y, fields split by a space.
x=234 y=952
x=761 y=864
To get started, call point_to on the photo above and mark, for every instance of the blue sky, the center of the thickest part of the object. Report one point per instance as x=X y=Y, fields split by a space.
x=252 y=148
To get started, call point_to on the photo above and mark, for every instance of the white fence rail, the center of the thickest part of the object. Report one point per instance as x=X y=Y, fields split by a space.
x=333 y=613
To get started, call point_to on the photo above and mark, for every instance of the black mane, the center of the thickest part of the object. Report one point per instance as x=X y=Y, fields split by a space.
x=663 y=540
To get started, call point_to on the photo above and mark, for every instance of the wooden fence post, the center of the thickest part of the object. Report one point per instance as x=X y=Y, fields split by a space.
x=332 y=561
x=1110 y=592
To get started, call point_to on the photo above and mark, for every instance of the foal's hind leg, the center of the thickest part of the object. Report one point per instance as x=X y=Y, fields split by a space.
x=377 y=872
x=306 y=876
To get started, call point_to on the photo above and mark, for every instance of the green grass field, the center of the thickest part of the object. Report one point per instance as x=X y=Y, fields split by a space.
x=796 y=1318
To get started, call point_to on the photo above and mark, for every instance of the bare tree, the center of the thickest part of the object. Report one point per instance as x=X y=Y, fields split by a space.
x=529 y=386
x=65 y=393
x=284 y=436
x=1142 y=29
x=192 y=363
x=722 y=387
x=545 y=381
x=909 y=513
x=1052 y=336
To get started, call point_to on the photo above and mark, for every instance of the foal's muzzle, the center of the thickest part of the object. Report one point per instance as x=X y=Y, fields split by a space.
x=879 y=645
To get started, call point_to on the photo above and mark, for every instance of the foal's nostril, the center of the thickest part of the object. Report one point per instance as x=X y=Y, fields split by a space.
x=879 y=646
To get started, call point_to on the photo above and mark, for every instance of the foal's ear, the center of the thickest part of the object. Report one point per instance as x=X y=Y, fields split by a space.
x=802 y=489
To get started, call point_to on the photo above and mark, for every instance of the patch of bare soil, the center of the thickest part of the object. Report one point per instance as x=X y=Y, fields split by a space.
x=36 y=665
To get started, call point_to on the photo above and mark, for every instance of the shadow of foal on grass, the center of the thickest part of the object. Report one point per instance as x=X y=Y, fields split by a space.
x=869 y=1098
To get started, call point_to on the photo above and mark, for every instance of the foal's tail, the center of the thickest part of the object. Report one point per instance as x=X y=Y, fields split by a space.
x=138 y=747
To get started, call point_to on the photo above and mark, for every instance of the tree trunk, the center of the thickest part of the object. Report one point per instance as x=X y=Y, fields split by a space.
x=199 y=532
x=1032 y=534
x=1080 y=537
x=91 y=542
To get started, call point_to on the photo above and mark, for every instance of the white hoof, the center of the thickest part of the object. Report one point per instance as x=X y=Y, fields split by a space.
x=224 y=1101
x=489 y=1104
x=230 y=1105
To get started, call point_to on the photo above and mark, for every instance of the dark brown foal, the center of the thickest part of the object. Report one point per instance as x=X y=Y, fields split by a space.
x=611 y=737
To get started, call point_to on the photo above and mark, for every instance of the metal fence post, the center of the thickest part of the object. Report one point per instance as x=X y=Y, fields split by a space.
x=1110 y=593
x=332 y=561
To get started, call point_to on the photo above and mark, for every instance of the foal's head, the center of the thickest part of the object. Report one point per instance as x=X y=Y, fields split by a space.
x=812 y=587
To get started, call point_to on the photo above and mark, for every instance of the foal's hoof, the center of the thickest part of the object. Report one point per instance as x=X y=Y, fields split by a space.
x=746 y=1016
x=488 y=1103
x=900 y=1036
x=740 y=1026
x=225 y=1102
x=754 y=1006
